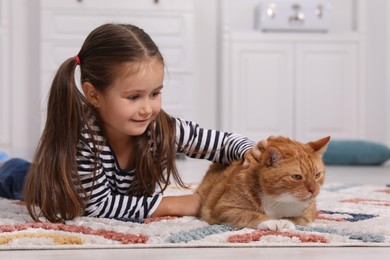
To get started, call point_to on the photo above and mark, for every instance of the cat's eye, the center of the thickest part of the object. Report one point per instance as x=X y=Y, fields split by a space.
x=297 y=177
x=318 y=175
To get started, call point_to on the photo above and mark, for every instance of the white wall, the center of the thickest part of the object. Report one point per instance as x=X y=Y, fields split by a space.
x=25 y=105
x=24 y=79
x=387 y=84
x=377 y=81
x=206 y=51
x=4 y=74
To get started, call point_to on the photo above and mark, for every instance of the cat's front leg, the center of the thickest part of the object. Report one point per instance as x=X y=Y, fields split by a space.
x=307 y=216
x=301 y=221
x=276 y=225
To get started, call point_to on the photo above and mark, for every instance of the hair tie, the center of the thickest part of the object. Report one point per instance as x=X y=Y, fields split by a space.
x=77 y=59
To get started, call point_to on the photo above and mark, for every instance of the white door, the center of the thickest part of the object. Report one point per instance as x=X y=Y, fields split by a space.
x=260 y=99
x=327 y=91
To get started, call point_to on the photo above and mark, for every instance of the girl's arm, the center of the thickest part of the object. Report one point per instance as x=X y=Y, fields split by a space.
x=209 y=144
x=186 y=205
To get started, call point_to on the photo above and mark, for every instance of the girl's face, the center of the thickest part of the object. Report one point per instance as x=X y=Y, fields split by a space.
x=133 y=101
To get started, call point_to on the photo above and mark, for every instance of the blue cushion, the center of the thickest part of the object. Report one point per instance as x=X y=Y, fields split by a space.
x=356 y=152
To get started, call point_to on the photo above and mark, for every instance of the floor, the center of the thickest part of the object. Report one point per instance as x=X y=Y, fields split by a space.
x=192 y=172
x=345 y=253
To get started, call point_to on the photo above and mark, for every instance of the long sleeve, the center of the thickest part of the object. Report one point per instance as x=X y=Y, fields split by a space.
x=212 y=145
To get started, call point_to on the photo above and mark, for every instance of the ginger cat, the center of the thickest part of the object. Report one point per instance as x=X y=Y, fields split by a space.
x=275 y=193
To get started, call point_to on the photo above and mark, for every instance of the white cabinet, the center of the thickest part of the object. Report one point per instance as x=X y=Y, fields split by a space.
x=4 y=75
x=66 y=23
x=299 y=86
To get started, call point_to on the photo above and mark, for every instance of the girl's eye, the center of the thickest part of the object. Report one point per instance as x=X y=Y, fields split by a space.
x=155 y=94
x=296 y=177
x=132 y=97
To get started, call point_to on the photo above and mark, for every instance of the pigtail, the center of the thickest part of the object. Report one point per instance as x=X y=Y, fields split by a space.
x=155 y=163
x=52 y=180
x=166 y=150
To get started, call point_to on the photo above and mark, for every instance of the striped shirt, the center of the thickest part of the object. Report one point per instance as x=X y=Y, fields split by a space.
x=108 y=189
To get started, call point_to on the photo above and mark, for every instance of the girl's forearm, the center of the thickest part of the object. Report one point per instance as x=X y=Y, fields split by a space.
x=185 y=205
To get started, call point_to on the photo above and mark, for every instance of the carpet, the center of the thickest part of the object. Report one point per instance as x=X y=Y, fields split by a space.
x=348 y=215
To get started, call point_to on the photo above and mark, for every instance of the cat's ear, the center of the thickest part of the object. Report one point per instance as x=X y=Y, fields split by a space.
x=320 y=145
x=272 y=155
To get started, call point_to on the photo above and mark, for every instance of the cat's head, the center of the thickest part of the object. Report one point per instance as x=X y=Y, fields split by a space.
x=291 y=168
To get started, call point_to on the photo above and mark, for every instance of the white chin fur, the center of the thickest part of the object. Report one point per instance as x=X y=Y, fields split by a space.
x=282 y=206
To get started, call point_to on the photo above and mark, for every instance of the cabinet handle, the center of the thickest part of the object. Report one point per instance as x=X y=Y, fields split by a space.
x=298 y=16
x=319 y=11
x=271 y=10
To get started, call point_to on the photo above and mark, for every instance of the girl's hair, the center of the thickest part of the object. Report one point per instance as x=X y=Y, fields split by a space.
x=53 y=183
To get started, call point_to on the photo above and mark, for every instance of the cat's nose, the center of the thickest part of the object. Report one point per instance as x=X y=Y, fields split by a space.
x=311 y=188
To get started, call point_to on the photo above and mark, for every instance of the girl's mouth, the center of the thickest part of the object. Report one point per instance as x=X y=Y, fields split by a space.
x=141 y=121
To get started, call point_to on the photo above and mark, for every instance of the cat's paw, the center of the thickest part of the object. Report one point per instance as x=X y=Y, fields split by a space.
x=276 y=225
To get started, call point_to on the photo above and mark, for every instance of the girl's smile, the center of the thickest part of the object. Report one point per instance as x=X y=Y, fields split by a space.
x=146 y=121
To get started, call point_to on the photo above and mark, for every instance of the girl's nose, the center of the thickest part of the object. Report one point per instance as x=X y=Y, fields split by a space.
x=146 y=108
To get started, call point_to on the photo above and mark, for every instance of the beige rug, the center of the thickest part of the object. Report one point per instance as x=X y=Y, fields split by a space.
x=349 y=215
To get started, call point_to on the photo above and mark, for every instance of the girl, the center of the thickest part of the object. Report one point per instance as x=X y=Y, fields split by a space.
x=109 y=151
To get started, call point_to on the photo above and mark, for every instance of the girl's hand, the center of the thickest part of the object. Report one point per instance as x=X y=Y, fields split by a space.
x=185 y=205
x=255 y=152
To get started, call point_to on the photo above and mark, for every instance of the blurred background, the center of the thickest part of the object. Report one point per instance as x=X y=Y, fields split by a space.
x=303 y=69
